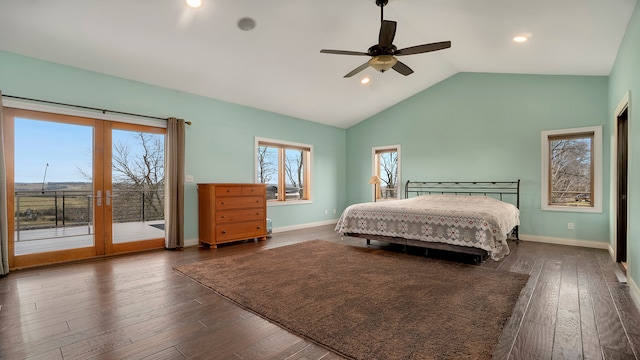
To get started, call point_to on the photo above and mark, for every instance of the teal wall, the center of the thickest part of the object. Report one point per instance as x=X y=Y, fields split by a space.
x=625 y=77
x=471 y=126
x=486 y=127
x=219 y=143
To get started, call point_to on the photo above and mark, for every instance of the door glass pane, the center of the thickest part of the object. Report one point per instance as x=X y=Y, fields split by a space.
x=53 y=186
x=138 y=186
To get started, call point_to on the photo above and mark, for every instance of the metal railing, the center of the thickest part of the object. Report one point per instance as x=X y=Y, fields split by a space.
x=40 y=210
x=571 y=197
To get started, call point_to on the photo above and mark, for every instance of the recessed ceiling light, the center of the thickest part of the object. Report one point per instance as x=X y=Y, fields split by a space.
x=522 y=37
x=194 y=3
x=365 y=80
x=246 y=23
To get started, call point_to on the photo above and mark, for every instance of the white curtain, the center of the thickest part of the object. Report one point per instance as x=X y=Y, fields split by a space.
x=4 y=233
x=174 y=184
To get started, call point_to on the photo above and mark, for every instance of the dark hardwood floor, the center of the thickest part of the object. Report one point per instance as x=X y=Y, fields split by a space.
x=137 y=307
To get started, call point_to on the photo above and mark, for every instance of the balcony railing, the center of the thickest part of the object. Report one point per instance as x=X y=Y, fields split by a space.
x=35 y=210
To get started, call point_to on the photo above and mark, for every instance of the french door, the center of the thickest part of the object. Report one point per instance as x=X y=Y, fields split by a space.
x=80 y=187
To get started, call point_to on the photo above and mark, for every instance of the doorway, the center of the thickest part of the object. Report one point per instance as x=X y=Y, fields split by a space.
x=80 y=187
x=622 y=157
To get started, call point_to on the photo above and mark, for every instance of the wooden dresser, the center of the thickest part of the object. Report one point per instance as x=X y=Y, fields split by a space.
x=231 y=212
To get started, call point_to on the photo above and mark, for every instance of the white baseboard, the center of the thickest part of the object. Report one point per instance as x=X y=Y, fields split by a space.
x=196 y=242
x=635 y=291
x=303 y=226
x=191 y=242
x=612 y=252
x=564 y=241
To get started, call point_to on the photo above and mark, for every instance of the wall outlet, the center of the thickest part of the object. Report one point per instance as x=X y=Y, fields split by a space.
x=570 y=226
x=188 y=178
x=326 y=211
x=334 y=211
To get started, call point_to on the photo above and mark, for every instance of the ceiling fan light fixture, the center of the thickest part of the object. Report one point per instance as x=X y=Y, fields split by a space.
x=365 y=80
x=383 y=63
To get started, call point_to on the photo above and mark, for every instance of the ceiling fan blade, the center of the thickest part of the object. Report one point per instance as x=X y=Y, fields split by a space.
x=387 y=33
x=357 y=70
x=419 y=49
x=343 y=52
x=402 y=68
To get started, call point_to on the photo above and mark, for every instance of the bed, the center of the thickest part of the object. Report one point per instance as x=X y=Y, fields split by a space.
x=473 y=218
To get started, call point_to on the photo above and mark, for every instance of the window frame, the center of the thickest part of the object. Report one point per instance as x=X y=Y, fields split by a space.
x=596 y=175
x=283 y=145
x=375 y=170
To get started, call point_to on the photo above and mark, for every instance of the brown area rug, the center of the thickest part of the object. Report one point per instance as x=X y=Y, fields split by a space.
x=369 y=304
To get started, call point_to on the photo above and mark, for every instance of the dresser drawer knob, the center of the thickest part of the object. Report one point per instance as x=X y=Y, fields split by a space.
x=224 y=231
x=222 y=217
x=222 y=203
x=228 y=190
x=259 y=227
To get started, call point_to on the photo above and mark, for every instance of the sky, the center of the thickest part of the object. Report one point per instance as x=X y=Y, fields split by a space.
x=65 y=147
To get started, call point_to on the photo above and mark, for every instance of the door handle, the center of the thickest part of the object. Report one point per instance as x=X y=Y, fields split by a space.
x=98 y=197
x=109 y=197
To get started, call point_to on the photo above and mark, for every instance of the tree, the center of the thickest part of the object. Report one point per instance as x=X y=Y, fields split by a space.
x=267 y=168
x=138 y=176
x=389 y=171
x=570 y=168
x=294 y=167
x=282 y=167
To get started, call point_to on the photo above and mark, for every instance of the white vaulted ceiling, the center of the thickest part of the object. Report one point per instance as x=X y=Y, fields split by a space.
x=278 y=66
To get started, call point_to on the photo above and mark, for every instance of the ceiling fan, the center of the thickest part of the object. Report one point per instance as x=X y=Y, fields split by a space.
x=383 y=54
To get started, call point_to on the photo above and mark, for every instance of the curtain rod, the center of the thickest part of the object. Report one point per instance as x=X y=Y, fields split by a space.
x=104 y=111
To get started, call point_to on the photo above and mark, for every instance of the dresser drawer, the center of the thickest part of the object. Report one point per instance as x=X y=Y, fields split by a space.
x=228 y=191
x=245 y=230
x=239 y=202
x=230 y=216
x=253 y=190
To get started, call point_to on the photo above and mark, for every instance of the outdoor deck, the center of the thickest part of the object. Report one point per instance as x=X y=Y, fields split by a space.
x=44 y=240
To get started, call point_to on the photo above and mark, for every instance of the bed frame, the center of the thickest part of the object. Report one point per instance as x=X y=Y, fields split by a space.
x=507 y=191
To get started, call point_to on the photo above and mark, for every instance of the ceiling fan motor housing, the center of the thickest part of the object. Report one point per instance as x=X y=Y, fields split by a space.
x=376 y=50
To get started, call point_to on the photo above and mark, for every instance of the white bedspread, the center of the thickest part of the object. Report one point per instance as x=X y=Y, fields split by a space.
x=474 y=221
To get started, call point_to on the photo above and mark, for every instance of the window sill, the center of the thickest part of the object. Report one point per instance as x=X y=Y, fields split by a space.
x=573 y=209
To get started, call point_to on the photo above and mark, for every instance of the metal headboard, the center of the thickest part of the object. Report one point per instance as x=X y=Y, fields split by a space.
x=498 y=189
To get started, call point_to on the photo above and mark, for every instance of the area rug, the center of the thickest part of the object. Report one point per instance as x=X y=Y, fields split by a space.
x=366 y=303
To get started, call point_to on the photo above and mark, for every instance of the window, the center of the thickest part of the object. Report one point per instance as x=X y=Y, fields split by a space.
x=286 y=169
x=386 y=165
x=572 y=169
